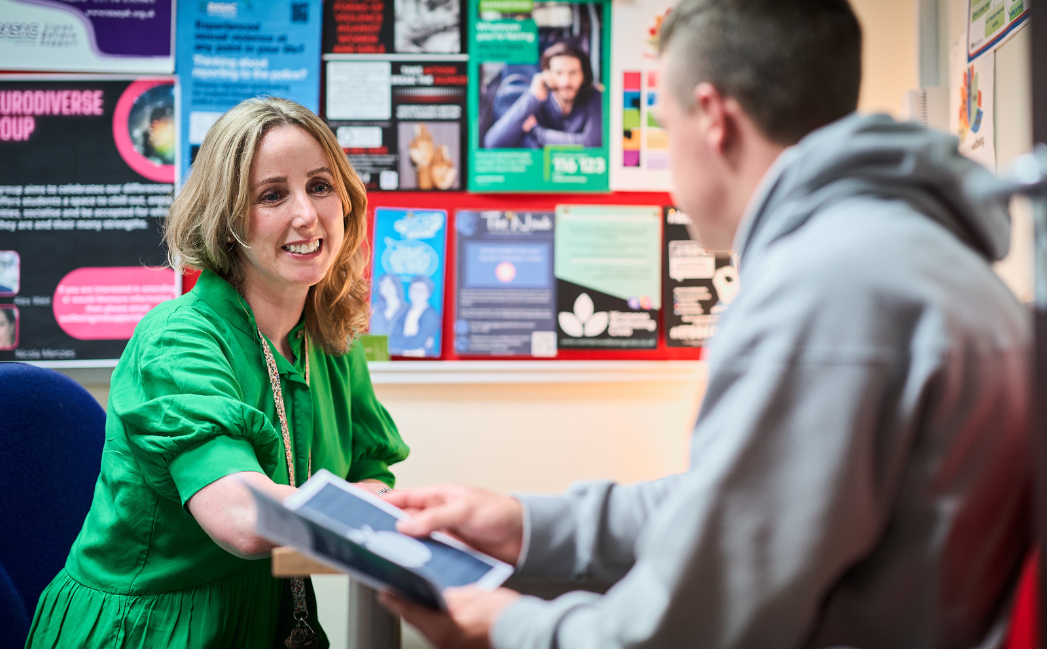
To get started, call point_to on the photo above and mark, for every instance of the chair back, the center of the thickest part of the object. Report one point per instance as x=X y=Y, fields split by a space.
x=51 y=434
x=1025 y=617
x=12 y=612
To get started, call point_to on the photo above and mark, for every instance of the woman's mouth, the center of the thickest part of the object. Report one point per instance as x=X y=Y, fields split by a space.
x=304 y=249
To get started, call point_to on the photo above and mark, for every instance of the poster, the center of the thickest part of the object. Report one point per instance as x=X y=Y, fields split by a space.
x=639 y=159
x=538 y=101
x=992 y=23
x=406 y=132
x=407 y=285
x=697 y=285
x=87 y=35
x=393 y=27
x=231 y=51
x=972 y=98
x=86 y=175
x=607 y=263
x=506 y=293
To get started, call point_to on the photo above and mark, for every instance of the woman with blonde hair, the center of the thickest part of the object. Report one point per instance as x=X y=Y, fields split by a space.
x=252 y=378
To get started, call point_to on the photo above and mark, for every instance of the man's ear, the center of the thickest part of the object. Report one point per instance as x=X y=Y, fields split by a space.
x=716 y=119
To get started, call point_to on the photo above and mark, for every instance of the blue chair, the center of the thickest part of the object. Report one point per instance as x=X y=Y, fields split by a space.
x=51 y=437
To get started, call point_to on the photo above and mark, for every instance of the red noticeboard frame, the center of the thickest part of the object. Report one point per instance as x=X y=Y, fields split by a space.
x=454 y=201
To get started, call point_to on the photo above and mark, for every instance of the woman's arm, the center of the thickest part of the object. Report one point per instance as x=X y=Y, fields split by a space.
x=225 y=509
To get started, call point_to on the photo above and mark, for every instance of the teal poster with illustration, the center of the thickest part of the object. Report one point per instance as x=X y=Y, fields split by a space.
x=407 y=280
x=538 y=100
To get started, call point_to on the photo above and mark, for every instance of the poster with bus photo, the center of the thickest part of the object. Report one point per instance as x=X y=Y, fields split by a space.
x=639 y=144
x=407 y=280
x=538 y=100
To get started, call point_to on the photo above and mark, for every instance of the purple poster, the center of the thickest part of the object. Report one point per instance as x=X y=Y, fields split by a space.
x=87 y=35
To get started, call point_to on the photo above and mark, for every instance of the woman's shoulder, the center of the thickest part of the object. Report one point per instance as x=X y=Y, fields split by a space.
x=184 y=324
x=185 y=313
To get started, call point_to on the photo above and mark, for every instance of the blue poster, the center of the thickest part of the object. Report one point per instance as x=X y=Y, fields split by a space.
x=233 y=50
x=506 y=290
x=407 y=289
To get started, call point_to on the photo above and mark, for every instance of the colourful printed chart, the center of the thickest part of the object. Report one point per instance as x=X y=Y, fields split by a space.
x=640 y=155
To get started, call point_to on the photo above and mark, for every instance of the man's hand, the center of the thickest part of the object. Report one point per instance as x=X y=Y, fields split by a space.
x=471 y=613
x=529 y=124
x=490 y=523
x=539 y=88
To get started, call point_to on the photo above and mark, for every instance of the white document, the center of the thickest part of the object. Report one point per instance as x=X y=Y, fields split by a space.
x=359 y=90
x=991 y=23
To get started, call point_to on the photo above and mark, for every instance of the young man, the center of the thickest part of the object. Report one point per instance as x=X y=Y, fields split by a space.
x=860 y=466
x=561 y=106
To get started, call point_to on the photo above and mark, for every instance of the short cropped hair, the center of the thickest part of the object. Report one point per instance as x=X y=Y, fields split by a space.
x=563 y=49
x=211 y=210
x=793 y=65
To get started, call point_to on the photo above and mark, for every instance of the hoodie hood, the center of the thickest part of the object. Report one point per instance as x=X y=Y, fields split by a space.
x=874 y=155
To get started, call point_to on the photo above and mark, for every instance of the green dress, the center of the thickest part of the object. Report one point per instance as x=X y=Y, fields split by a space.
x=190 y=403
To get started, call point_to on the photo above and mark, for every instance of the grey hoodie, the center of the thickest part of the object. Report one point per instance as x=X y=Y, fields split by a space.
x=860 y=467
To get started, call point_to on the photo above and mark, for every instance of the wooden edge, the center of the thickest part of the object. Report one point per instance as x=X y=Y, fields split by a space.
x=288 y=562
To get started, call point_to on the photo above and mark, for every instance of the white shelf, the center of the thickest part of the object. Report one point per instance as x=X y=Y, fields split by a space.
x=519 y=372
x=474 y=372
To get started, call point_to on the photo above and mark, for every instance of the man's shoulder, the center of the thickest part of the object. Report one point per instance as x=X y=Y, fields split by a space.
x=871 y=272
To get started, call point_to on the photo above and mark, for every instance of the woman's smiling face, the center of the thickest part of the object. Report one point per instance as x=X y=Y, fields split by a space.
x=296 y=221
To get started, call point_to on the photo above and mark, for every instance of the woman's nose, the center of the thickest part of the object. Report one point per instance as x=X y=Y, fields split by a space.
x=305 y=215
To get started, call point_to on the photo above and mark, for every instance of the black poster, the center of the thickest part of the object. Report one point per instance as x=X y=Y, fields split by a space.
x=698 y=285
x=86 y=173
x=406 y=131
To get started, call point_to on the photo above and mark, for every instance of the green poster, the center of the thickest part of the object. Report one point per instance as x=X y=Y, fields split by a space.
x=607 y=264
x=538 y=101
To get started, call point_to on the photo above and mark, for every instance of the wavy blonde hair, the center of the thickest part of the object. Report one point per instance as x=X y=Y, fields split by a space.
x=212 y=208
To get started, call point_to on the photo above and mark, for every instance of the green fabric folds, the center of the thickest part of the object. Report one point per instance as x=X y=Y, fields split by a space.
x=191 y=403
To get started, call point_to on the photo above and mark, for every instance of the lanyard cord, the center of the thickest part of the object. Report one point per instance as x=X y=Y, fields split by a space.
x=301 y=609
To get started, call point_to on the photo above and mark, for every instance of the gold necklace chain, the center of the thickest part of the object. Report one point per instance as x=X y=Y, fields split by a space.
x=301 y=608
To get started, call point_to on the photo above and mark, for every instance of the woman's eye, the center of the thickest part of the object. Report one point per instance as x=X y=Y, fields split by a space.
x=270 y=197
x=322 y=187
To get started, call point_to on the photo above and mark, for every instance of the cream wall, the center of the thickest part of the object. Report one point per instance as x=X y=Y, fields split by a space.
x=889 y=61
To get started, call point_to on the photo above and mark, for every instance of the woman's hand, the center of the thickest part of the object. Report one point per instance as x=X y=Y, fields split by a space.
x=374 y=486
x=226 y=510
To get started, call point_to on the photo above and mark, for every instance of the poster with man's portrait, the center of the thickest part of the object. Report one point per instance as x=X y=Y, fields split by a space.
x=538 y=96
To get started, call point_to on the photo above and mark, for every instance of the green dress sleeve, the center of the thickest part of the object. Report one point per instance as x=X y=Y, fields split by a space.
x=376 y=441
x=183 y=411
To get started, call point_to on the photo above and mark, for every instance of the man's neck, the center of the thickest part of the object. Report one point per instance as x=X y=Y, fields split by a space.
x=752 y=169
x=276 y=314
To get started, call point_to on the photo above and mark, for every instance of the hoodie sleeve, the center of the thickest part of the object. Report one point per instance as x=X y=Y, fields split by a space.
x=589 y=533
x=790 y=483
